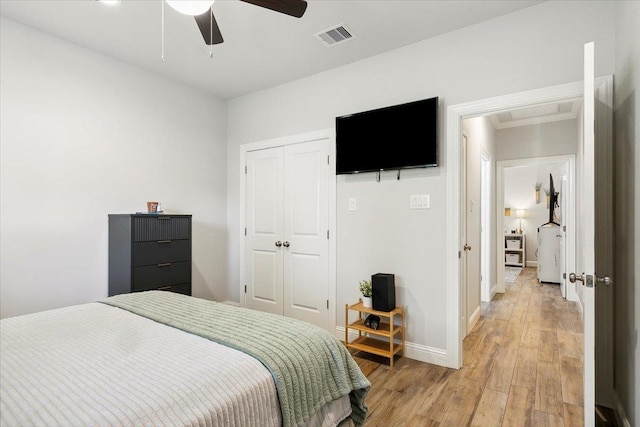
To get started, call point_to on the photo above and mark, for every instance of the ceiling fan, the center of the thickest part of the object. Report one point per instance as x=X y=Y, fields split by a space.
x=203 y=13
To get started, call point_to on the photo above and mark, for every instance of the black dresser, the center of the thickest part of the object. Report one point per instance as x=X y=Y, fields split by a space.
x=149 y=252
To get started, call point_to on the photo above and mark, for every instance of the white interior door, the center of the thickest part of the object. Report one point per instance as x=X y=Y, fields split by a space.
x=287 y=241
x=472 y=231
x=595 y=253
x=264 y=255
x=306 y=225
x=463 y=236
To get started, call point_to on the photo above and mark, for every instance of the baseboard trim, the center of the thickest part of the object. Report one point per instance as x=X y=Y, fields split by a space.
x=423 y=353
x=531 y=264
x=473 y=319
x=237 y=304
x=620 y=410
x=493 y=292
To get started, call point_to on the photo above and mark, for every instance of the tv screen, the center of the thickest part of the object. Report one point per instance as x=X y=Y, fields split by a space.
x=396 y=137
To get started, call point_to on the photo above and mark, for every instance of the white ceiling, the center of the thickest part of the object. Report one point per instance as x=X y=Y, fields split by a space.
x=537 y=114
x=262 y=48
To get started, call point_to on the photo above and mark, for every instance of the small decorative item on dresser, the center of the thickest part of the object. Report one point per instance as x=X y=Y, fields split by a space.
x=152 y=207
x=366 y=290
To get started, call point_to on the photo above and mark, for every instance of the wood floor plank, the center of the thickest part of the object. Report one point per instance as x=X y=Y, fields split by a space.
x=502 y=370
x=570 y=344
x=487 y=352
x=548 y=348
x=530 y=336
x=463 y=404
x=573 y=415
x=490 y=411
x=543 y=419
x=572 y=390
x=549 y=388
x=520 y=408
x=525 y=372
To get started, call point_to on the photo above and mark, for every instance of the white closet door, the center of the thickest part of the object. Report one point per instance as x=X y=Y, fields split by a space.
x=264 y=263
x=306 y=223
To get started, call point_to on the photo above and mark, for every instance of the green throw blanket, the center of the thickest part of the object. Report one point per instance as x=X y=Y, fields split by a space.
x=310 y=366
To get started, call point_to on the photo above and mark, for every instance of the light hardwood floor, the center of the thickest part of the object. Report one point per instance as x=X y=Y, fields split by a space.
x=522 y=367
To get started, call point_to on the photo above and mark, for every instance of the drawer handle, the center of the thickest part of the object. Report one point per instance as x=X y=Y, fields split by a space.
x=164 y=264
x=164 y=288
x=164 y=241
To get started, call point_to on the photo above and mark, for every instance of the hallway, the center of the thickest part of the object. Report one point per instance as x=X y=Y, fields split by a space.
x=522 y=367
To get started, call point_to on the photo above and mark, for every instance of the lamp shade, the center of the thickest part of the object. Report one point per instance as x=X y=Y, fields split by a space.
x=520 y=213
x=190 y=7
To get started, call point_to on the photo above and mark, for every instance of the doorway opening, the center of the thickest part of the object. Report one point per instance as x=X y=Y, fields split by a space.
x=479 y=110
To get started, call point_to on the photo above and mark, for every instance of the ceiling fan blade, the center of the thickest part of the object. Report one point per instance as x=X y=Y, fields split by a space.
x=294 y=8
x=205 y=22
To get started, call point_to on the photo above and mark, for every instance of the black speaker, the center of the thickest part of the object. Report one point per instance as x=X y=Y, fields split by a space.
x=384 y=292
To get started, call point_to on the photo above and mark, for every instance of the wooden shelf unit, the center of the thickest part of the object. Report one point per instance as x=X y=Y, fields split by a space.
x=388 y=332
x=518 y=252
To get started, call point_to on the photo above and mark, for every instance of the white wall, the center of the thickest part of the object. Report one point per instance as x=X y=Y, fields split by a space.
x=536 y=47
x=542 y=140
x=627 y=212
x=84 y=136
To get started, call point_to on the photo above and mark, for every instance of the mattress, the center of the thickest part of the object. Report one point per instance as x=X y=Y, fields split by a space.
x=99 y=365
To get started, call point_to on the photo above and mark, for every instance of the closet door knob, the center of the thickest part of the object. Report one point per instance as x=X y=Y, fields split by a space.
x=278 y=243
x=286 y=244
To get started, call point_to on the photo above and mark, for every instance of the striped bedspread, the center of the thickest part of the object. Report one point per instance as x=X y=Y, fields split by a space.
x=97 y=365
x=310 y=366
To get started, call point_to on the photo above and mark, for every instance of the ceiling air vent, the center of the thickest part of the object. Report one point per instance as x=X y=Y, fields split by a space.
x=335 y=35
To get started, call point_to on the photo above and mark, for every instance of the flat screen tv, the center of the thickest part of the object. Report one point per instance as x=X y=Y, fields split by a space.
x=396 y=137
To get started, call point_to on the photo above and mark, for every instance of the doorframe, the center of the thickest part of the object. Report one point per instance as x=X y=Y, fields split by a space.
x=569 y=161
x=486 y=293
x=455 y=114
x=328 y=134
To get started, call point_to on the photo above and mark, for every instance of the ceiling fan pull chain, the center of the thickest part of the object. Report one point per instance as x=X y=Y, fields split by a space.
x=162 y=31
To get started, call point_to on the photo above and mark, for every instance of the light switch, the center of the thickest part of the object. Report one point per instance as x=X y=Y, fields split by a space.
x=419 y=201
x=352 y=204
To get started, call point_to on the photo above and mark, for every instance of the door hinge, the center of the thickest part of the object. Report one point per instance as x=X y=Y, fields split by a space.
x=327 y=234
x=459 y=254
x=564 y=228
x=328 y=159
x=327 y=304
x=245 y=289
x=245 y=169
x=564 y=275
x=245 y=231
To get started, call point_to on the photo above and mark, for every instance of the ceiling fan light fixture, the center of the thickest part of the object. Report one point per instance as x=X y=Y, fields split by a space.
x=190 y=7
x=110 y=2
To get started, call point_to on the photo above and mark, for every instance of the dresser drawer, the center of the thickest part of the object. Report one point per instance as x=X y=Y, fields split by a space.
x=183 y=288
x=162 y=251
x=161 y=227
x=164 y=274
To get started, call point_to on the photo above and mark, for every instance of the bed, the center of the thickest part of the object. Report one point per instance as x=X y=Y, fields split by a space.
x=165 y=359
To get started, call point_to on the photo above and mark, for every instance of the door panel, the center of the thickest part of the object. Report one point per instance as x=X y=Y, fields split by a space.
x=306 y=221
x=287 y=247
x=264 y=268
x=596 y=255
x=265 y=274
x=305 y=274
